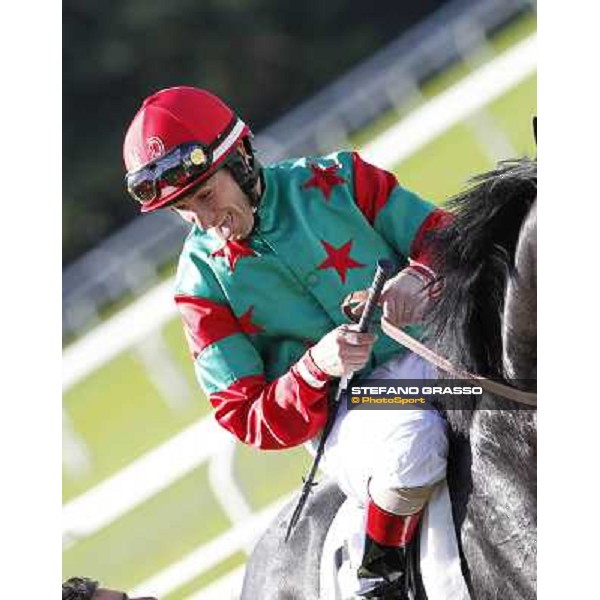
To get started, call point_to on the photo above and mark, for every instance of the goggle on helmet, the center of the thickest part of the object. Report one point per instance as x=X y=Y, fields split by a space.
x=179 y=138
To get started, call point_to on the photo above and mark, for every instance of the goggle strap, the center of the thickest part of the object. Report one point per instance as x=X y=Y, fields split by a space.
x=231 y=134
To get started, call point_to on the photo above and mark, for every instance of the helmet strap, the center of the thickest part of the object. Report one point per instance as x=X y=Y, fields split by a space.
x=246 y=169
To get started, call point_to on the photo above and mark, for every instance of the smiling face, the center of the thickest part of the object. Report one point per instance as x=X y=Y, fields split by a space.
x=218 y=206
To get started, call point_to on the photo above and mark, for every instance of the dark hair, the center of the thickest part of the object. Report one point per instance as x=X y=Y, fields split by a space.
x=79 y=588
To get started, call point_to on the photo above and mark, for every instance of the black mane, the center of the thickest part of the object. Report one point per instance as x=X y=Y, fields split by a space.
x=491 y=461
x=476 y=253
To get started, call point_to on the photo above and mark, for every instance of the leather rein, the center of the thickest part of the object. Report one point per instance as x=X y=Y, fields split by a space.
x=494 y=387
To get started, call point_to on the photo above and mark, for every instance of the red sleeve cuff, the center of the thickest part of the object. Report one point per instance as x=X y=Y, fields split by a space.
x=308 y=370
x=425 y=272
x=419 y=250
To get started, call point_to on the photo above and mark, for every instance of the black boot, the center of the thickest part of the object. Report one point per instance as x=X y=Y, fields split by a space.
x=383 y=571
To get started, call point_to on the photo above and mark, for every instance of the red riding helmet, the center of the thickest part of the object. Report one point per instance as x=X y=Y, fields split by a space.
x=178 y=138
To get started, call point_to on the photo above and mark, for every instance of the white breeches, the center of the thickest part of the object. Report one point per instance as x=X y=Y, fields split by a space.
x=396 y=448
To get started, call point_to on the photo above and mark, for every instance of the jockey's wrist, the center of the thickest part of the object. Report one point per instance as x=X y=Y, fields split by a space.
x=427 y=273
x=310 y=372
x=428 y=277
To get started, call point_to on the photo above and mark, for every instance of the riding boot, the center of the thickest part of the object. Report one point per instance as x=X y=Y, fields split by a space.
x=385 y=558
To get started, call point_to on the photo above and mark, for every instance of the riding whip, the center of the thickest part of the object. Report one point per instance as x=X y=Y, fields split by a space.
x=384 y=269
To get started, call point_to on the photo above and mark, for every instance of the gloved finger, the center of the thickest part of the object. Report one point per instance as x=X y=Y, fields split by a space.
x=351 y=367
x=358 y=309
x=355 y=353
x=392 y=310
x=387 y=291
x=387 y=310
x=407 y=314
x=353 y=328
x=357 y=339
x=355 y=363
x=400 y=311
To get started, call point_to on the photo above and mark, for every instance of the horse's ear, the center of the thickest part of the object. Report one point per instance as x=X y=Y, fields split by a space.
x=535 y=129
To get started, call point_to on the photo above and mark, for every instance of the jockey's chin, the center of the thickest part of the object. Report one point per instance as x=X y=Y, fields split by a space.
x=236 y=226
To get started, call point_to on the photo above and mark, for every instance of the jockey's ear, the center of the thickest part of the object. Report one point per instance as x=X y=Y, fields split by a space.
x=535 y=129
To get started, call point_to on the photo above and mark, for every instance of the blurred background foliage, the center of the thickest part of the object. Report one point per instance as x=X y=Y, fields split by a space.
x=262 y=56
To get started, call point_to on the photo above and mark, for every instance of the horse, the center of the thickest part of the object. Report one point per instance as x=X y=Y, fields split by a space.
x=484 y=323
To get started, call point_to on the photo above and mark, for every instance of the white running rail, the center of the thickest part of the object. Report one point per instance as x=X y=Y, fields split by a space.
x=455 y=104
x=226 y=588
x=142 y=479
x=237 y=538
x=118 y=333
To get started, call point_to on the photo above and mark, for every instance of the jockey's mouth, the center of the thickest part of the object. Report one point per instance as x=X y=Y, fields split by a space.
x=225 y=229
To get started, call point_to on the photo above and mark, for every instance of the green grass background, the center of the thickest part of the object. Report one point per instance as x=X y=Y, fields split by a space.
x=121 y=416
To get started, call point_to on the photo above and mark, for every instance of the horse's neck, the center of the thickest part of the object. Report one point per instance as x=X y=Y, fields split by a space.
x=499 y=528
x=492 y=467
x=519 y=328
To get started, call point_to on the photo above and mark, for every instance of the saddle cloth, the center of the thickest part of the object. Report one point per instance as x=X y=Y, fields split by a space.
x=439 y=558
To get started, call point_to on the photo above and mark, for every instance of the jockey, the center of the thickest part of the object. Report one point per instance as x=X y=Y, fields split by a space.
x=272 y=252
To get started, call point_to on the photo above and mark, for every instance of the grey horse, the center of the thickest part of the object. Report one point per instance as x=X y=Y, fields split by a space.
x=485 y=323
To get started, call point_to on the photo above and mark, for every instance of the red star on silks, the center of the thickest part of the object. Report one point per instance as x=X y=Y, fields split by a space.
x=339 y=259
x=245 y=321
x=233 y=251
x=324 y=178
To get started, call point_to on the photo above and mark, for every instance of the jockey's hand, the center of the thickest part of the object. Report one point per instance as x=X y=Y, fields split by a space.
x=343 y=350
x=409 y=295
